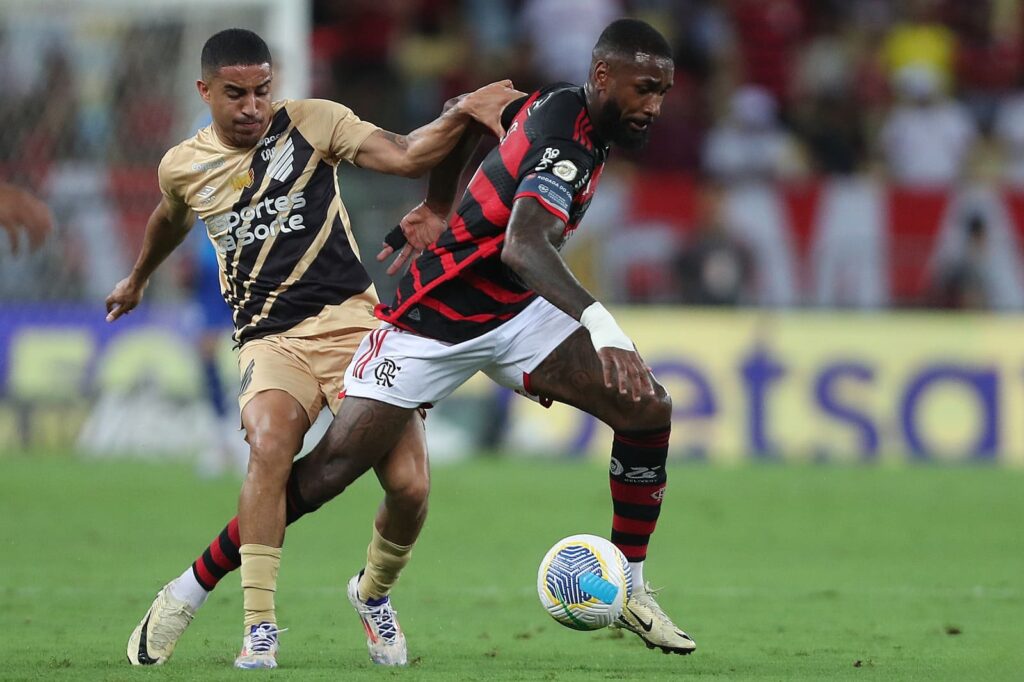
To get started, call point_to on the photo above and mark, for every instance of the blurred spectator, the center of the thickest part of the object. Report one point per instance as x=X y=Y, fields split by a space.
x=356 y=39
x=768 y=33
x=927 y=137
x=987 y=60
x=1008 y=130
x=921 y=40
x=826 y=112
x=750 y=144
x=144 y=105
x=713 y=268
x=560 y=34
x=834 y=134
x=963 y=282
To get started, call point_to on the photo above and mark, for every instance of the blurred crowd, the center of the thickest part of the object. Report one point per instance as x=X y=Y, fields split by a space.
x=923 y=95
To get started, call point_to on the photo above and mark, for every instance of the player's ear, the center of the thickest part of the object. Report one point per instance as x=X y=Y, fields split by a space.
x=601 y=74
x=204 y=90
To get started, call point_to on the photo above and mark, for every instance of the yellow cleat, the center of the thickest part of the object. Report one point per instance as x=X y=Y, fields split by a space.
x=642 y=615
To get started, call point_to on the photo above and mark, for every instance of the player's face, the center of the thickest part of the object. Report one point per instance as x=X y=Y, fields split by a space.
x=630 y=93
x=239 y=99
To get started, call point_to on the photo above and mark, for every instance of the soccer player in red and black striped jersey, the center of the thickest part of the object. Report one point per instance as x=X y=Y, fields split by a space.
x=493 y=294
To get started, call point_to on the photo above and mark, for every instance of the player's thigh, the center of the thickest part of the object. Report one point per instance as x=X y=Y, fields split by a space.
x=572 y=374
x=406 y=469
x=278 y=363
x=361 y=435
x=412 y=371
x=329 y=355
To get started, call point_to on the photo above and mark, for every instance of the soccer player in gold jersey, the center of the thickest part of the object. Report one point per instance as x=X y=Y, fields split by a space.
x=263 y=178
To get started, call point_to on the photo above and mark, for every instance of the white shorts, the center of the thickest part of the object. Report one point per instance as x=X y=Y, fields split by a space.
x=408 y=370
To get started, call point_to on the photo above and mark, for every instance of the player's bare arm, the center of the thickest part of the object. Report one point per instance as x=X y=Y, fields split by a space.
x=165 y=230
x=414 y=154
x=424 y=224
x=530 y=240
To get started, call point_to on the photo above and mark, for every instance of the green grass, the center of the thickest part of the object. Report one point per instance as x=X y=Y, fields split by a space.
x=779 y=573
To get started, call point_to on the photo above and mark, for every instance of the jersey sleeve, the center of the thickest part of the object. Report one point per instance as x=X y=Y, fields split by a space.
x=554 y=172
x=170 y=179
x=332 y=128
x=511 y=110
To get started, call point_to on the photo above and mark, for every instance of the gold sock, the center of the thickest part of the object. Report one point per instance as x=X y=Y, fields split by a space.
x=384 y=561
x=259 y=583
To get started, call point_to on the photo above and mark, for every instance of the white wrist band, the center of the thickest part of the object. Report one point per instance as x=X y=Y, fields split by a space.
x=604 y=331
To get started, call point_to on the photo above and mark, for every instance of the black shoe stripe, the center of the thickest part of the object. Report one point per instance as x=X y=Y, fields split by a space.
x=144 y=658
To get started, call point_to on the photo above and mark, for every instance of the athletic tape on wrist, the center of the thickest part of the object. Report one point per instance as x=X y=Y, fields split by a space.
x=604 y=331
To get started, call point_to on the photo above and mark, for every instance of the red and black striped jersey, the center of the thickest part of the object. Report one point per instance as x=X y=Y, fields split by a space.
x=458 y=288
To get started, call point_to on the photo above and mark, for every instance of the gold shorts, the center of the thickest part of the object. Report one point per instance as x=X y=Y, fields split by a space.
x=311 y=369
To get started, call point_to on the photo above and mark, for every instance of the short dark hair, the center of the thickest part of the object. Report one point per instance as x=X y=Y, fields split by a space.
x=626 y=37
x=233 y=47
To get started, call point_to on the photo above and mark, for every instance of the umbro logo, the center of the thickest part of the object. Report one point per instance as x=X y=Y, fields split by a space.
x=206 y=195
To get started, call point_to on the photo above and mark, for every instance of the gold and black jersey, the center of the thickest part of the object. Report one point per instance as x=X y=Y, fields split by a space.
x=289 y=264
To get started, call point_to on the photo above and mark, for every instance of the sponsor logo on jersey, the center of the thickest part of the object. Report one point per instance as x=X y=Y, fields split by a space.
x=212 y=164
x=616 y=467
x=385 y=373
x=243 y=180
x=256 y=223
x=565 y=169
x=642 y=473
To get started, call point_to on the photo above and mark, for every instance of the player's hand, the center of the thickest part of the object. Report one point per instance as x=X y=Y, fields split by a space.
x=22 y=213
x=124 y=298
x=421 y=227
x=486 y=104
x=626 y=371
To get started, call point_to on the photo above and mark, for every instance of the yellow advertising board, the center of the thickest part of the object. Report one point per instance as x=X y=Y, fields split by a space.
x=811 y=386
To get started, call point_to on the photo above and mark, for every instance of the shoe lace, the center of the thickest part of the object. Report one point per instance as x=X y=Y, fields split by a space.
x=646 y=597
x=263 y=637
x=384 y=619
x=172 y=622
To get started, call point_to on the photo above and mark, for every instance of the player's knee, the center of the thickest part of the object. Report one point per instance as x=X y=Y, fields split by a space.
x=650 y=412
x=270 y=455
x=660 y=406
x=411 y=494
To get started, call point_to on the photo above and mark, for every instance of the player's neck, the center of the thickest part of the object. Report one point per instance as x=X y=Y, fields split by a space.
x=593 y=107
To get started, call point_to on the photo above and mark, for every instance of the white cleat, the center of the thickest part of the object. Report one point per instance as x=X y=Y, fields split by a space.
x=384 y=637
x=153 y=641
x=642 y=615
x=259 y=647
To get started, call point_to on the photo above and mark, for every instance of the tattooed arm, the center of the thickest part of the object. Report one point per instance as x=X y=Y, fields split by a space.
x=529 y=251
x=414 y=154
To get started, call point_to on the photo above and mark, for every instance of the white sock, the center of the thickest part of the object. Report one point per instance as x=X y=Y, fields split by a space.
x=186 y=588
x=636 y=569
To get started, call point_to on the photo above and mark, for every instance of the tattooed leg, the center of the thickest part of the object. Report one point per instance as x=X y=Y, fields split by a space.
x=362 y=433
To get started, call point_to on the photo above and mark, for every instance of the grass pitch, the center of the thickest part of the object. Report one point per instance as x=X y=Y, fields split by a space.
x=779 y=573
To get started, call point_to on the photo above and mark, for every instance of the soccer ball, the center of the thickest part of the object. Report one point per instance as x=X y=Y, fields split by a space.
x=583 y=582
